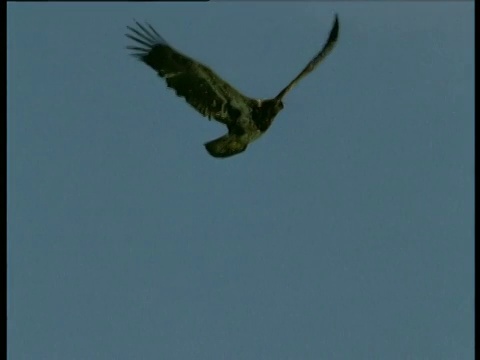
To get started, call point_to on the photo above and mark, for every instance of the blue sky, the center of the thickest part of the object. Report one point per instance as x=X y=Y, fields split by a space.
x=346 y=232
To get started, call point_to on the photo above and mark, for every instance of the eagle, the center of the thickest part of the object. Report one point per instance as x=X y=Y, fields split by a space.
x=246 y=118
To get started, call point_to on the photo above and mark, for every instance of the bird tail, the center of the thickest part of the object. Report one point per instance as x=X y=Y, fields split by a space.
x=225 y=146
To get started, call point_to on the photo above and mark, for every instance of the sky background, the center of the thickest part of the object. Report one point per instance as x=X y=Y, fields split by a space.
x=345 y=232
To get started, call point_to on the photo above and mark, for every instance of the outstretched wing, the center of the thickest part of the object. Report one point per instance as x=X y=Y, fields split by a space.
x=199 y=85
x=327 y=48
x=227 y=145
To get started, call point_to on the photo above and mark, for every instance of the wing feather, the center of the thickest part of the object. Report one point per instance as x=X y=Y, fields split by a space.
x=327 y=48
x=199 y=85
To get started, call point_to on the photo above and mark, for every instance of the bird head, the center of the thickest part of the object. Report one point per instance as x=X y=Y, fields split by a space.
x=266 y=112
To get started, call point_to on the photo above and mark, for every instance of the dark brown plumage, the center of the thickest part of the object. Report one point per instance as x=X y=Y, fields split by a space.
x=246 y=118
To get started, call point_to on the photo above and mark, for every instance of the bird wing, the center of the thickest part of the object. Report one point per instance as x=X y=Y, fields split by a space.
x=327 y=48
x=200 y=86
x=227 y=145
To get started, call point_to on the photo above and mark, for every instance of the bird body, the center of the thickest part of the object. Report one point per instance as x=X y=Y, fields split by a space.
x=246 y=118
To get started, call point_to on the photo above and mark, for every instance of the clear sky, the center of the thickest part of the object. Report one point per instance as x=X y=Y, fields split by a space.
x=346 y=232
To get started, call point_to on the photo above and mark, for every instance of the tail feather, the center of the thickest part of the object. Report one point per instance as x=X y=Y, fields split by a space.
x=226 y=146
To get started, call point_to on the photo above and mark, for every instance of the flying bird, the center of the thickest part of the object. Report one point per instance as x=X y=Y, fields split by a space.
x=246 y=118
